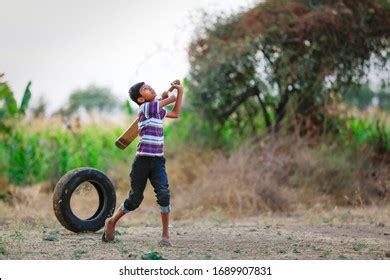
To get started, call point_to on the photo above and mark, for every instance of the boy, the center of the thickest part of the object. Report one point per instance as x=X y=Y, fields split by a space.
x=149 y=162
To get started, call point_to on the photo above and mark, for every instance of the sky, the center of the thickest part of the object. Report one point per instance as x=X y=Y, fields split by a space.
x=64 y=45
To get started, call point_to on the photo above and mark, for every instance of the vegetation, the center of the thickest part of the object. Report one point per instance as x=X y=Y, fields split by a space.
x=9 y=110
x=92 y=98
x=282 y=88
x=40 y=154
x=33 y=151
x=152 y=256
x=285 y=58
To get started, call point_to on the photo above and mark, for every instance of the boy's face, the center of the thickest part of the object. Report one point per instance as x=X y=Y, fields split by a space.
x=147 y=93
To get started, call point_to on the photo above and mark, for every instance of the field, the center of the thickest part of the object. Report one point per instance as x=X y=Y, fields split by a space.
x=289 y=197
x=29 y=230
x=277 y=145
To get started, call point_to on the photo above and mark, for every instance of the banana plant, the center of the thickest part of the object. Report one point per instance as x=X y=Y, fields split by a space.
x=8 y=106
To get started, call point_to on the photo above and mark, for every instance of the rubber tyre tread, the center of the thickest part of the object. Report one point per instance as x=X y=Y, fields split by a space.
x=68 y=184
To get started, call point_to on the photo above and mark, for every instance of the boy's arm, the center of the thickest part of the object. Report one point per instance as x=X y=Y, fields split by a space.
x=166 y=101
x=165 y=98
x=177 y=108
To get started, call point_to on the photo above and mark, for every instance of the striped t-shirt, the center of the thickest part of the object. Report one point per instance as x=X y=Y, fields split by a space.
x=150 y=123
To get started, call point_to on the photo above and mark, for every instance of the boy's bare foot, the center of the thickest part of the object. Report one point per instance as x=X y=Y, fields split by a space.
x=109 y=231
x=164 y=243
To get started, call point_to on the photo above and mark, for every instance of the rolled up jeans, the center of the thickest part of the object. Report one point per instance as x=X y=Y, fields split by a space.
x=144 y=168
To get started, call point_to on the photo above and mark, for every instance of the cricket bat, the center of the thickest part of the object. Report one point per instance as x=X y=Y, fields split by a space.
x=132 y=131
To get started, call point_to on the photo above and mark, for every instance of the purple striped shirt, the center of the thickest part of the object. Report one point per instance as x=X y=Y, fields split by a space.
x=150 y=123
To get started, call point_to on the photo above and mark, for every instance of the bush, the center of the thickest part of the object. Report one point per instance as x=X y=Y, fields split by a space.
x=32 y=155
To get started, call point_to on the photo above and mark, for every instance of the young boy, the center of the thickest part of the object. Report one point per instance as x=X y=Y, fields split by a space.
x=149 y=162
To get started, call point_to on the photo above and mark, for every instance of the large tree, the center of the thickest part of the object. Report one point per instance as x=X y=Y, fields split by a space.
x=286 y=54
x=92 y=98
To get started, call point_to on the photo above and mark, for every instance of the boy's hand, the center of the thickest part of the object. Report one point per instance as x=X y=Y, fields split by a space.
x=164 y=95
x=178 y=87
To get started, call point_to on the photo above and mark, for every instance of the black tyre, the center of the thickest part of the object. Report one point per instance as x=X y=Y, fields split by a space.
x=63 y=193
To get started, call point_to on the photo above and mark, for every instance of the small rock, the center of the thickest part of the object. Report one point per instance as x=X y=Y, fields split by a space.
x=380 y=225
x=386 y=233
x=252 y=230
x=387 y=254
x=132 y=256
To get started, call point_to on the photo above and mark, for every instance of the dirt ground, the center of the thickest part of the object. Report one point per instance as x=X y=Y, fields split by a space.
x=29 y=230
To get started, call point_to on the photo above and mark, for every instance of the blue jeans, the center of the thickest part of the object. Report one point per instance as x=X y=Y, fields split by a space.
x=144 y=168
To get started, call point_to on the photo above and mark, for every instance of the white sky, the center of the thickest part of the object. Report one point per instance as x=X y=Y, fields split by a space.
x=64 y=45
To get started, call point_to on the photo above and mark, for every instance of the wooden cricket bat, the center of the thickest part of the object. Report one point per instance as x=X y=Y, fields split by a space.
x=132 y=131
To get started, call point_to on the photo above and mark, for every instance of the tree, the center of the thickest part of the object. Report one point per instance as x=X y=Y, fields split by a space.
x=286 y=56
x=91 y=98
x=39 y=110
x=364 y=96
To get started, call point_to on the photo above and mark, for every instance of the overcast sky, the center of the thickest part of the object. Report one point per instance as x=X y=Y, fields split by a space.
x=64 y=45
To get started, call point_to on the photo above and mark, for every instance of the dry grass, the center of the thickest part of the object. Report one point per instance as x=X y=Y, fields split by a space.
x=273 y=176
x=281 y=176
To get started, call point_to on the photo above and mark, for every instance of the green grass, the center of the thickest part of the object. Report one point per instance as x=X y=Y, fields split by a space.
x=357 y=246
x=342 y=257
x=282 y=251
x=78 y=253
x=18 y=235
x=123 y=250
x=31 y=155
x=152 y=256
x=3 y=251
x=52 y=236
x=365 y=131
x=207 y=255
x=116 y=240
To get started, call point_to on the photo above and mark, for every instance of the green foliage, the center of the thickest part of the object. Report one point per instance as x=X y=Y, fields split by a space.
x=128 y=109
x=53 y=236
x=26 y=99
x=357 y=246
x=284 y=55
x=152 y=256
x=91 y=98
x=363 y=97
x=9 y=111
x=78 y=253
x=3 y=251
x=368 y=132
x=33 y=155
x=9 y=108
x=191 y=128
x=29 y=155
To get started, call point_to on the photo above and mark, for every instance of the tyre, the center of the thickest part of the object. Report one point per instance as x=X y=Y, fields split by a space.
x=65 y=189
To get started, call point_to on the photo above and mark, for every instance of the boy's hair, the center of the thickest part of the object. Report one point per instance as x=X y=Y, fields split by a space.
x=134 y=92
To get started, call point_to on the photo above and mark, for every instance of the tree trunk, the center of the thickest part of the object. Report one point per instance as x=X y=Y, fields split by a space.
x=265 y=112
x=281 y=110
